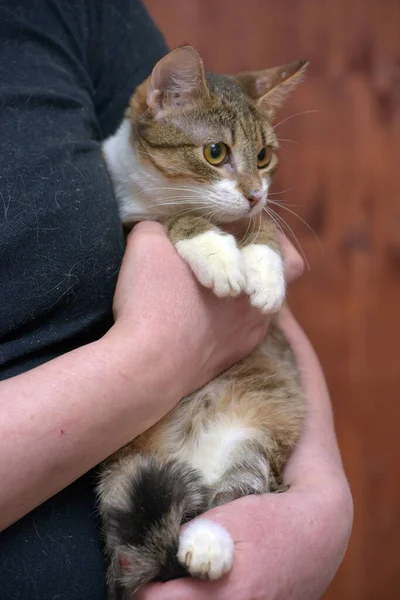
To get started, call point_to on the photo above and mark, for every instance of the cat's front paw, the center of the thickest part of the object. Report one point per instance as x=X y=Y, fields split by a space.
x=216 y=261
x=265 y=282
x=205 y=549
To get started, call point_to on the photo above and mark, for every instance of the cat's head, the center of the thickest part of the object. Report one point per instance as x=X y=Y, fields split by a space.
x=205 y=142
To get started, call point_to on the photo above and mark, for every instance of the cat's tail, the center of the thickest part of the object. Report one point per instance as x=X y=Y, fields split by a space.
x=144 y=501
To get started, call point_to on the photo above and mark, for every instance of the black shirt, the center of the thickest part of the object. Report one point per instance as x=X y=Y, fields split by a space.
x=67 y=70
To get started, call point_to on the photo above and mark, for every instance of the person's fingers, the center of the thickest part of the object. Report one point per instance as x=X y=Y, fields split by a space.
x=152 y=591
x=294 y=264
x=146 y=237
x=148 y=227
x=316 y=457
x=182 y=589
x=258 y=332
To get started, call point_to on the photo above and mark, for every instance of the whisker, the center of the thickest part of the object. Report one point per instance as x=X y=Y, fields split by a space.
x=257 y=222
x=252 y=222
x=187 y=188
x=186 y=211
x=243 y=239
x=183 y=199
x=207 y=215
x=259 y=227
x=271 y=216
x=303 y=221
x=194 y=193
x=291 y=141
x=282 y=202
x=282 y=192
x=171 y=198
x=142 y=152
x=253 y=228
x=303 y=112
x=211 y=214
x=292 y=233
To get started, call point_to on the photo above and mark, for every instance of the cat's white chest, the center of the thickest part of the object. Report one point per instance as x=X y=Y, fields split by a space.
x=128 y=176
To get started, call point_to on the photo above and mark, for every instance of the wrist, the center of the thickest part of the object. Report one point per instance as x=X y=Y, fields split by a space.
x=142 y=371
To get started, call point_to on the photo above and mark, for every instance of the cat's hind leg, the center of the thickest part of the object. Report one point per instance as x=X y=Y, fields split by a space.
x=205 y=549
x=249 y=472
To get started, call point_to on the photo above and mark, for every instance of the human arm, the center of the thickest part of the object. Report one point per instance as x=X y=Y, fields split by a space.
x=62 y=418
x=287 y=546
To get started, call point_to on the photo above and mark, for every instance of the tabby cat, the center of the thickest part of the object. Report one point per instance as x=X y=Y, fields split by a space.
x=194 y=151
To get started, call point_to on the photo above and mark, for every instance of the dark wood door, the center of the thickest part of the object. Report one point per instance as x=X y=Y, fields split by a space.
x=340 y=165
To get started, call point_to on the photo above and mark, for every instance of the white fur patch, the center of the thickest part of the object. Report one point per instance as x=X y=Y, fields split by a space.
x=231 y=204
x=140 y=188
x=206 y=549
x=265 y=282
x=216 y=261
x=123 y=170
x=217 y=446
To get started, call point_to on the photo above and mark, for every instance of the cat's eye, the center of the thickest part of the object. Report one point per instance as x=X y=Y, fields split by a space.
x=216 y=154
x=264 y=157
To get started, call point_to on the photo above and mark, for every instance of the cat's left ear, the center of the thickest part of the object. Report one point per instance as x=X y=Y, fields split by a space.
x=177 y=82
x=270 y=87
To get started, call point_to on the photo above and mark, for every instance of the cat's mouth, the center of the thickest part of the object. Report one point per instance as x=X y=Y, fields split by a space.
x=256 y=208
x=225 y=205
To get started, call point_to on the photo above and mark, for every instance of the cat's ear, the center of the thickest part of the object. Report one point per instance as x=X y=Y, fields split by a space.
x=270 y=87
x=177 y=81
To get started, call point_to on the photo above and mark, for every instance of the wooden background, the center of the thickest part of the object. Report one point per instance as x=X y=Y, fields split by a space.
x=343 y=164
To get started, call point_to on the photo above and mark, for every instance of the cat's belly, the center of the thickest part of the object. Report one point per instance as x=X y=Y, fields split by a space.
x=255 y=405
x=214 y=447
x=223 y=421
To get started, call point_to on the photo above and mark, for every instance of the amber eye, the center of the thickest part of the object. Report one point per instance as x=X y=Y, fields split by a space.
x=264 y=157
x=216 y=154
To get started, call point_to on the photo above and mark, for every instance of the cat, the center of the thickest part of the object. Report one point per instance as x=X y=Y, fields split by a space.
x=196 y=151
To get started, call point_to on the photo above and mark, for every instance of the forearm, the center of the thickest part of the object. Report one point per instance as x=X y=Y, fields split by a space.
x=316 y=463
x=61 y=419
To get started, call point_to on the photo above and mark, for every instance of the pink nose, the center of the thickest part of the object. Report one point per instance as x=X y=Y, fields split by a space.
x=254 y=198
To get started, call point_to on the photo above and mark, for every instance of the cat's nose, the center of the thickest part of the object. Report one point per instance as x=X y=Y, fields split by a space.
x=254 y=198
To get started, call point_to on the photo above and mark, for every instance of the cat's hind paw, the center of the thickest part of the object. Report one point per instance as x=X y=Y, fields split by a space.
x=265 y=282
x=216 y=261
x=205 y=549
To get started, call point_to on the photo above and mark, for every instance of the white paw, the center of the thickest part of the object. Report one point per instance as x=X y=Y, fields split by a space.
x=205 y=549
x=216 y=261
x=265 y=282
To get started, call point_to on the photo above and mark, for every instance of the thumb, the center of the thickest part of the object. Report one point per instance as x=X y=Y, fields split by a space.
x=148 y=228
x=148 y=240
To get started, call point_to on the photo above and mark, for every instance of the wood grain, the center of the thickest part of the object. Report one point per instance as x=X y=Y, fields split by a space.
x=343 y=164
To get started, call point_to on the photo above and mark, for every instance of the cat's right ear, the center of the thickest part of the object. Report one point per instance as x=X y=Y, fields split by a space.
x=177 y=81
x=269 y=88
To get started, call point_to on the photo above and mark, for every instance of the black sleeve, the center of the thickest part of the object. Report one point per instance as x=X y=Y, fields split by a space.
x=67 y=70
x=124 y=46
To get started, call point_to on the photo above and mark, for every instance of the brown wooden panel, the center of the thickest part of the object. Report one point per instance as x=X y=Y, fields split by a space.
x=344 y=166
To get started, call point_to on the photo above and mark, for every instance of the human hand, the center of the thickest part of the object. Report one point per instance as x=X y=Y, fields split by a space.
x=287 y=546
x=193 y=334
